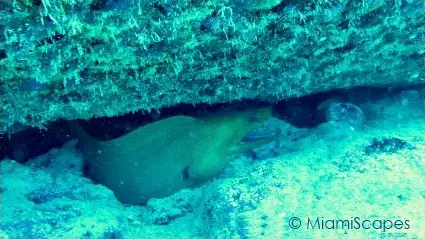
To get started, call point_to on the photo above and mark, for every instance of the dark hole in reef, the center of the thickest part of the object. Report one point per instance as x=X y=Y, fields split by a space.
x=2 y=144
x=300 y=111
x=95 y=42
x=33 y=142
x=345 y=49
x=343 y=24
x=3 y=54
x=37 y=2
x=97 y=5
x=185 y=173
x=413 y=56
x=51 y=39
x=86 y=170
x=160 y=8
x=106 y=128
x=30 y=143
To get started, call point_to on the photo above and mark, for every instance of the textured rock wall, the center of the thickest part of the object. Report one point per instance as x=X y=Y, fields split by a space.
x=81 y=59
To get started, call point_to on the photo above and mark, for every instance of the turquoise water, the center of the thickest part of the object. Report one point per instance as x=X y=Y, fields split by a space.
x=368 y=168
x=212 y=119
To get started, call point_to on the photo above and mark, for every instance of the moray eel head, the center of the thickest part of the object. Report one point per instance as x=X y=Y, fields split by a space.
x=225 y=133
x=158 y=159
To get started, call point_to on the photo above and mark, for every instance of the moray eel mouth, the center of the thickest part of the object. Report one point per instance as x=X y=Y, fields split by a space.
x=160 y=158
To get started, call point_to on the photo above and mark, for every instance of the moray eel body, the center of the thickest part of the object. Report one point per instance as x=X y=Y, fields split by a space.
x=158 y=159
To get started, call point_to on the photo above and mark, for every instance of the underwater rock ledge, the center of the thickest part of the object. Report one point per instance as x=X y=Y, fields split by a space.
x=330 y=171
x=72 y=59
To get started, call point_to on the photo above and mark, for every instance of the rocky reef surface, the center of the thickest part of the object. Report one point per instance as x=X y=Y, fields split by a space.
x=83 y=59
x=359 y=173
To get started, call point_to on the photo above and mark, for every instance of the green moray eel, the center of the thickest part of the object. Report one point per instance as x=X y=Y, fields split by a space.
x=160 y=158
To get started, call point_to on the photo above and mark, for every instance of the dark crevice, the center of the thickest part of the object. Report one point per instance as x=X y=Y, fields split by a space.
x=3 y=54
x=300 y=112
x=51 y=39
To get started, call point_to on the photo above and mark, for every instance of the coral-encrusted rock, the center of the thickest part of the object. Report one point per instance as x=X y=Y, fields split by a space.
x=82 y=59
x=344 y=113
